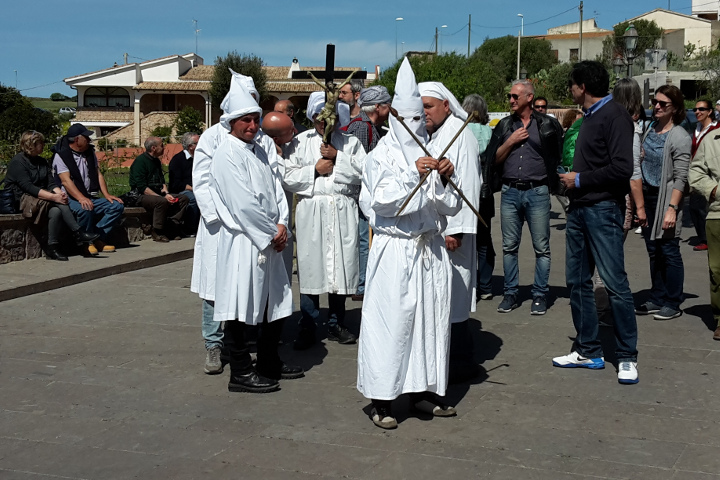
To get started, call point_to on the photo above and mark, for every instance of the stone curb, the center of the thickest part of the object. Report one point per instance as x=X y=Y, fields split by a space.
x=74 y=279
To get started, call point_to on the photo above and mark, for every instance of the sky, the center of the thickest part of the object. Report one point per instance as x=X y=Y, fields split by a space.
x=48 y=40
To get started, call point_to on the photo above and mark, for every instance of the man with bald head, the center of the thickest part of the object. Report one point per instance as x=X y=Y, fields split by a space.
x=288 y=108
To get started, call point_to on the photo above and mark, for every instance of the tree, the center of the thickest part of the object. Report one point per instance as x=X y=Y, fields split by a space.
x=188 y=120
x=649 y=33
x=460 y=75
x=249 y=65
x=17 y=115
x=58 y=97
x=535 y=55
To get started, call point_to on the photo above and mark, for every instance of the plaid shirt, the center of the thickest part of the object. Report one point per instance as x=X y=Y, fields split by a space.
x=362 y=130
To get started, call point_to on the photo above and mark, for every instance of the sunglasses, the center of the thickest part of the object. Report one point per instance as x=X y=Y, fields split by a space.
x=514 y=96
x=701 y=109
x=660 y=103
x=544 y=107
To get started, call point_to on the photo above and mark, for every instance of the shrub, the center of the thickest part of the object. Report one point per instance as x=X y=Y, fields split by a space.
x=188 y=120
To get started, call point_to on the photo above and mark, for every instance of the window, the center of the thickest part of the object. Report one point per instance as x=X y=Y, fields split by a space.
x=574 y=54
x=112 y=97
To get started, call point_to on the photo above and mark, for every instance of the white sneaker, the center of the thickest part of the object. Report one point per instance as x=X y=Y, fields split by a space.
x=627 y=373
x=638 y=230
x=575 y=360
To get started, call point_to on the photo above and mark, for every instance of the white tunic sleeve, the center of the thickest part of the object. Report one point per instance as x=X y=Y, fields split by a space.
x=349 y=161
x=242 y=209
x=201 y=172
x=300 y=167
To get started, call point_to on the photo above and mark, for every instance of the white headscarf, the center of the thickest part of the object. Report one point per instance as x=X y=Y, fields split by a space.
x=243 y=80
x=440 y=91
x=316 y=102
x=238 y=102
x=409 y=105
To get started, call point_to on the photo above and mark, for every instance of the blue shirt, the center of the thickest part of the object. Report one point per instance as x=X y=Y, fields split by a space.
x=652 y=157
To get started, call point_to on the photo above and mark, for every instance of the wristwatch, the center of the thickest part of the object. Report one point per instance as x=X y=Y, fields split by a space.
x=674 y=207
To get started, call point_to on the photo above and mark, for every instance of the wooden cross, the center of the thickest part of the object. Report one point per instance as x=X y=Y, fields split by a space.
x=329 y=74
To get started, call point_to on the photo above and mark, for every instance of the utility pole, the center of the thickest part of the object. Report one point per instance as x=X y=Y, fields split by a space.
x=195 y=22
x=581 y=22
x=436 y=40
x=518 y=59
x=469 y=23
x=125 y=55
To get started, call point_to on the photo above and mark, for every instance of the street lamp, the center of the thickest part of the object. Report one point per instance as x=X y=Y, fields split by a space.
x=441 y=27
x=398 y=19
x=15 y=79
x=618 y=63
x=631 y=40
x=522 y=30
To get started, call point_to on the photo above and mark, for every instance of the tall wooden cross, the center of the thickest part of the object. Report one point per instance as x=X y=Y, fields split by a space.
x=329 y=74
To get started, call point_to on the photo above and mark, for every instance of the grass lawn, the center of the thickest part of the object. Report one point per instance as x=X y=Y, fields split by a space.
x=54 y=107
x=118 y=180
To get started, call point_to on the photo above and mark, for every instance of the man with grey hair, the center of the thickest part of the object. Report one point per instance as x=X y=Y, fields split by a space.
x=522 y=161
x=350 y=93
x=181 y=179
x=147 y=179
x=366 y=126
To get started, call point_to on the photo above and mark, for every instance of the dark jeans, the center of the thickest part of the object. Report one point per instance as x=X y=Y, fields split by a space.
x=485 y=256
x=268 y=359
x=698 y=212
x=162 y=209
x=667 y=271
x=310 y=308
x=363 y=249
x=102 y=218
x=594 y=237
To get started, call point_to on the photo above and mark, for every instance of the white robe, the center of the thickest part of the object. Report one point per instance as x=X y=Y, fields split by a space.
x=205 y=255
x=405 y=333
x=465 y=157
x=250 y=203
x=326 y=217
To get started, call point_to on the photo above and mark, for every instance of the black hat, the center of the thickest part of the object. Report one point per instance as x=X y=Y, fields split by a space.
x=79 y=129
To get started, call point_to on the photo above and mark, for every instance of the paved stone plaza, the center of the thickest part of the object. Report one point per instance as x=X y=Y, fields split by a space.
x=104 y=380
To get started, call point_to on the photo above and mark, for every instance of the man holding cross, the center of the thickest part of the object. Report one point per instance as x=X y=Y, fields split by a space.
x=405 y=332
x=326 y=179
x=444 y=118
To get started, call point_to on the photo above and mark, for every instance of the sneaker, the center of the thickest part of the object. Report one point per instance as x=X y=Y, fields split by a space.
x=667 y=313
x=539 y=306
x=508 y=304
x=101 y=246
x=340 y=334
x=716 y=335
x=382 y=417
x=700 y=247
x=91 y=250
x=638 y=230
x=486 y=296
x=627 y=373
x=647 y=308
x=575 y=360
x=213 y=363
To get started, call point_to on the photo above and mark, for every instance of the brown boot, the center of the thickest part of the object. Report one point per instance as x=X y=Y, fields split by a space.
x=157 y=236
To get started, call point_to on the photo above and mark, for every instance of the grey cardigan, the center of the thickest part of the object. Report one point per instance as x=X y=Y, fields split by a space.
x=676 y=161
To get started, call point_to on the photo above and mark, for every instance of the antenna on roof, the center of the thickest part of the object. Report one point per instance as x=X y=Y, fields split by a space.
x=197 y=30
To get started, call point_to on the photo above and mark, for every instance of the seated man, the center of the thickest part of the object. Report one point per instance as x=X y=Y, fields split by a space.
x=148 y=179
x=76 y=168
x=180 y=171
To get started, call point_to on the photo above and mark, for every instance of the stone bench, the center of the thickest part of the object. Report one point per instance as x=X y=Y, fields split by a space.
x=17 y=241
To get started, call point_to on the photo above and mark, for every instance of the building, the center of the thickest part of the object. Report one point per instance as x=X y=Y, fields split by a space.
x=565 y=40
x=126 y=102
x=680 y=29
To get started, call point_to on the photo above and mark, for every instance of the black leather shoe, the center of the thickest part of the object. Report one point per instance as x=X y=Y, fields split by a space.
x=291 y=372
x=52 y=253
x=81 y=236
x=340 y=334
x=305 y=339
x=252 y=383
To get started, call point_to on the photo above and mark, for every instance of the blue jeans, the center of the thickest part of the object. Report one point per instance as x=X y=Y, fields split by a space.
x=192 y=217
x=211 y=331
x=667 y=271
x=594 y=237
x=516 y=206
x=310 y=308
x=102 y=218
x=363 y=249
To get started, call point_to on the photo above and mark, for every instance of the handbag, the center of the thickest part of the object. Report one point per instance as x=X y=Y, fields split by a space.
x=34 y=208
x=131 y=198
x=8 y=204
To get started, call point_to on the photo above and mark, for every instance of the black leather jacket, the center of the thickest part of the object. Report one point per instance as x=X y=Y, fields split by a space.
x=551 y=141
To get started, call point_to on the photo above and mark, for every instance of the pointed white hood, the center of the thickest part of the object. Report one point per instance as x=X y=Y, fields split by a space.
x=237 y=103
x=247 y=82
x=440 y=91
x=409 y=105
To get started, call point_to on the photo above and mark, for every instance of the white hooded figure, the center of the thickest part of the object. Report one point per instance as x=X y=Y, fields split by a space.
x=250 y=204
x=405 y=331
x=465 y=156
x=326 y=218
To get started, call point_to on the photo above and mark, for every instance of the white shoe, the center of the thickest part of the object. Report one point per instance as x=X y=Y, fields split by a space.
x=575 y=360
x=638 y=230
x=627 y=373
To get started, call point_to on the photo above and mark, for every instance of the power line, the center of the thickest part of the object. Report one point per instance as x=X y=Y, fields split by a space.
x=529 y=23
